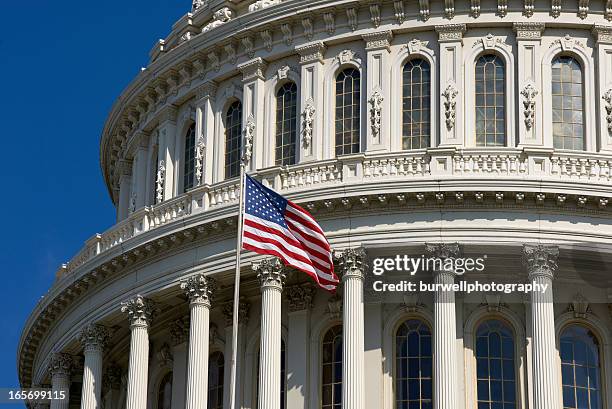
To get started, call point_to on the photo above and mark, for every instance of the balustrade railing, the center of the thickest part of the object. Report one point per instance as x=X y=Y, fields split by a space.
x=498 y=163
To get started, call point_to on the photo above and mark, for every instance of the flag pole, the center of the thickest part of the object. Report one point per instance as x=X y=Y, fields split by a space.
x=243 y=163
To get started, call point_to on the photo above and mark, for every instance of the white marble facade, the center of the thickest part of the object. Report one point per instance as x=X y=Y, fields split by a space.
x=446 y=158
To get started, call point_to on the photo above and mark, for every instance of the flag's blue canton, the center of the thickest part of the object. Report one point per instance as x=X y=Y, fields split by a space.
x=264 y=203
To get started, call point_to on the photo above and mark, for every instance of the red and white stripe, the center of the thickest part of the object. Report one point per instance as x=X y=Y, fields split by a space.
x=302 y=246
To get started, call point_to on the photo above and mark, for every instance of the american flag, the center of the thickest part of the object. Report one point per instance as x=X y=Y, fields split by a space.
x=274 y=225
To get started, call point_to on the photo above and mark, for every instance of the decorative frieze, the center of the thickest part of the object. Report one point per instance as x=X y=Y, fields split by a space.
x=528 y=31
x=307 y=122
x=450 y=32
x=311 y=52
x=140 y=310
x=94 y=336
x=220 y=17
x=540 y=260
x=376 y=101
x=248 y=135
x=378 y=40
x=450 y=105
x=199 y=289
x=262 y=4
x=529 y=94
x=607 y=97
x=160 y=181
x=270 y=273
x=299 y=297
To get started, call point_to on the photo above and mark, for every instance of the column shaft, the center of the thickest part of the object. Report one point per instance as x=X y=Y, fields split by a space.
x=138 y=371
x=352 y=345
x=91 y=397
x=445 y=366
x=197 y=364
x=270 y=350
x=60 y=382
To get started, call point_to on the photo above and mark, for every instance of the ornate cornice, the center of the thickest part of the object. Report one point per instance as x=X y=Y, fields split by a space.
x=140 y=311
x=300 y=297
x=528 y=31
x=450 y=32
x=94 y=336
x=351 y=263
x=199 y=289
x=270 y=273
x=540 y=260
x=312 y=52
x=253 y=69
x=603 y=34
x=378 y=40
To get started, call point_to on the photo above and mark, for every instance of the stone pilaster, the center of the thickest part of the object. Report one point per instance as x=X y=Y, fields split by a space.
x=111 y=385
x=253 y=109
x=140 y=311
x=205 y=129
x=603 y=73
x=352 y=266
x=271 y=277
x=311 y=100
x=199 y=290
x=166 y=154
x=124 y=169
x=94 y=339
x=243 y=319
x=541 y=263
x=60 y=368
x=445 y=328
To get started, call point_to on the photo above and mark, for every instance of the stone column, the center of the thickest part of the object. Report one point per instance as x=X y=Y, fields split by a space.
x=529 y=37
x=60 y=368
x=351 y=265
x=541 y=263
x=253 y=109
x=445 y=331
x=199 y=290
x=271 y=277
x=300 y=299
x=378 y=90
x=179 y=334
x=450 y=37
x=94 y=339
x=243 y=319
x=140 y=312
x=311 y=101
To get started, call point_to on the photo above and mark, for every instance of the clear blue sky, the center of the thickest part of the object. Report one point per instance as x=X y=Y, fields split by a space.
x=62 y=64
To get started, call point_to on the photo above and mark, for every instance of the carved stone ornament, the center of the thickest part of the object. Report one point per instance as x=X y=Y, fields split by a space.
x=375 y=102
x=424 y=10
x=307 y=122
x=262 y=4
x=200 y=150
x=140 y=310
x=248 y=134
x=270 y=273
x=199 y=289
x=334 y=306
x=197 y=4
x=400 y=14
x=220 y=17
x=283 y=71
x=164 y=355
x=411 y=302
x=540 y=260
x=300 y=297
x=443 y=250
x=579 y=306
x=243 y=312
x=132 y=201
x=329 y=17
x=567 y=43
x=308 y=28
x=179 y=330
x=529 y=94
x=351 y=262
x=490 y=41
x=60 y=364
x=450 y=32
x=608 y=98
x=346 y=56
x=450 y=104
x=94 y=336
x=112 y=377
x=415 y=45
x=159 y=183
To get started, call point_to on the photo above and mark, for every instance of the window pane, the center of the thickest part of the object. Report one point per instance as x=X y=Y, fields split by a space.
x=413 y=369
x=415 y=105
x=233 y=139
x=496 y=382
x=189 y=159
x=286 y=124
x=347 y=112
x=331 y=379
x=216 y=364
x=567 y=104
x=490 y=99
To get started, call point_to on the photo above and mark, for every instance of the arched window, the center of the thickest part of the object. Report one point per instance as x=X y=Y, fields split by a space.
x=580 y=368
x=567 y=104
x=283 y=383
x=286 y=124
x=495 y=365
x=189 y=159
x=164 y=393
x=416 y=102
x=347 y=111
x=331 y=377
x=215 y=380
x=490 y=101
x=413 y=365
x=233 y=139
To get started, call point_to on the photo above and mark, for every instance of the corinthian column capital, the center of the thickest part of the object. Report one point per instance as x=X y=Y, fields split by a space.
x=540 y=260
x=351 y=262
x=199 y=289
x=140 y=311
x=270 y=273
x=94 y=337
x=60 y=364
